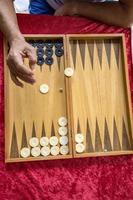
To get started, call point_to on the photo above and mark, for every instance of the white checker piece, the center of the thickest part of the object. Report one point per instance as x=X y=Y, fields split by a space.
x=25 y=152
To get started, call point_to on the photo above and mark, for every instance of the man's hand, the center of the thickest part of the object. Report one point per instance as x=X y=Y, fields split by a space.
x=69 y=8
x=119 y=13
x=20 y=49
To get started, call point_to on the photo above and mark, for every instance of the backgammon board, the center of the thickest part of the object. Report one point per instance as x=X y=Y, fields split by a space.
x=80 y=105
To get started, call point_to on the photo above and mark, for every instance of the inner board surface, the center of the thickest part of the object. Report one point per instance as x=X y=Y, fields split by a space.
x=30 y=113
x=99 y=95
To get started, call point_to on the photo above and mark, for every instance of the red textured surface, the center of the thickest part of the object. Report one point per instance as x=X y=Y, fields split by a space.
x=81 y=179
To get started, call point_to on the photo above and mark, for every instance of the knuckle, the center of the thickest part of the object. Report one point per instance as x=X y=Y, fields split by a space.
x=32 y=48
x=29 y=47
x=34 y=59
x=18 y=68
x=11 y=56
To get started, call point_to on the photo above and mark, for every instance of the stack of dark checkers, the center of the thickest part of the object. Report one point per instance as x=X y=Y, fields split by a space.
x=45 y=50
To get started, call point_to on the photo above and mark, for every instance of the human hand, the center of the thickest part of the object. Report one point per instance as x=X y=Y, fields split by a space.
x=69 y=9
x=20 y=49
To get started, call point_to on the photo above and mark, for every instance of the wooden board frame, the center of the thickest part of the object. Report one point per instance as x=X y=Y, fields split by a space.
x=69 y=97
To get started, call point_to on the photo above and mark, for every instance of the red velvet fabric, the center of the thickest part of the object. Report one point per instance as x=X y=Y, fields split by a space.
x=105 y=178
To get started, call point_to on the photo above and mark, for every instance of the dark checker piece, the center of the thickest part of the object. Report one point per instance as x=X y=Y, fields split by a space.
x=39 y=56
x=40 y=44
x=48 y=52
x=40 y=61
x=49 y=44
x=58 y=44
x=32 y=42
x=49 y=60
x=59 y=52
x=40 y=52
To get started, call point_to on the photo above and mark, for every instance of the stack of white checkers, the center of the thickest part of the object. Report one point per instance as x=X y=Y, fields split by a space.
x=79 y=139
x=48 y=146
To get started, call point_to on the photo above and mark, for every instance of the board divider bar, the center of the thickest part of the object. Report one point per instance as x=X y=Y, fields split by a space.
x=69 y=95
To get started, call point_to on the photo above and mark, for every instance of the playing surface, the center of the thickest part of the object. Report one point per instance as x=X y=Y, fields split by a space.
x=95 y=100
x=100 y=100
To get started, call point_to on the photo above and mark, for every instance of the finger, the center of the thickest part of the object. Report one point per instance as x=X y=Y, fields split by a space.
x=17 y=62
x=16 y=81
x=23 y=69
x=32 y=58
x=27 y=78
x=23 y=54
x=57 y=13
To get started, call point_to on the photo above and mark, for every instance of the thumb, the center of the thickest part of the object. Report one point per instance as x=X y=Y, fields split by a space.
x=59 y=12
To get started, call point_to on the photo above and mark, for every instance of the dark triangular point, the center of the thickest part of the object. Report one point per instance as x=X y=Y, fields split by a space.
x=78 y=127
x=43 y=130
x=116 y=140
x=116 y=50
x=125 y=140
x=14 y=153
x=91 y=51
x=98 y=142
x=82 y=51
x=107 y=44
x=33 y=130
x=89 y=146
x=73 y=51
x=24 y=137
x=99 y=44
x=59 y=62
x=52 y=130
x=107 y=142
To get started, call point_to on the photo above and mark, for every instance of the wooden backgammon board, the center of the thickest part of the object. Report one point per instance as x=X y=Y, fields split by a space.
x=80 y=105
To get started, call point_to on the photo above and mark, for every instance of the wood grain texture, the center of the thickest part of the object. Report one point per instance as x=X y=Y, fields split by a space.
x=32 y=113
x=95 y=100
x=100 y=94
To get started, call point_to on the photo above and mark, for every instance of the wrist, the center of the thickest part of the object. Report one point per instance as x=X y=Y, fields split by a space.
x=15 y=38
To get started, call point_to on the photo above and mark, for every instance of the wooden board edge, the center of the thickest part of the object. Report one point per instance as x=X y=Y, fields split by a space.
x=104 y=154
x=5 y=98
x=31 y=159
x=94 y=36
x=87 y=155
x=128 y=88
x=43 y=36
